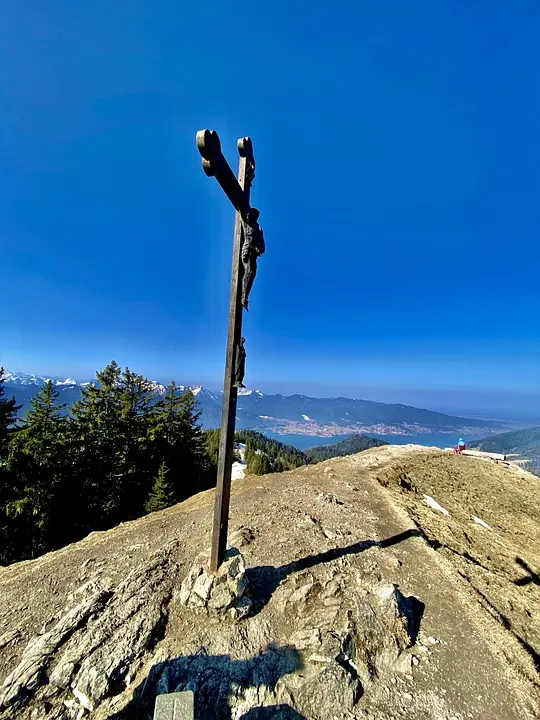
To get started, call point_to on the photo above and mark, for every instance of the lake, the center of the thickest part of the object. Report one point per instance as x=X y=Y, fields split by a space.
x=303 y=442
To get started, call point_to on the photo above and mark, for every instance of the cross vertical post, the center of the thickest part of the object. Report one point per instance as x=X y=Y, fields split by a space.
x=238 y=192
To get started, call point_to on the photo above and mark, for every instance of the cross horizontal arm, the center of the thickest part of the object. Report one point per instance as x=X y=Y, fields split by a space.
x=214 y=164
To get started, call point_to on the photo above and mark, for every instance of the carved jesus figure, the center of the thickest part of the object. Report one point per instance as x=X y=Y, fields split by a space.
x=240 y=365
x=252 y=248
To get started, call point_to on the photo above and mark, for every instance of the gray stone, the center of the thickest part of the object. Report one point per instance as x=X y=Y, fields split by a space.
x=175 y=706
x=334 y=687
x=226 y=591
x=202 y=586
x=28 y=674
x=96 y=643
x=9 y=637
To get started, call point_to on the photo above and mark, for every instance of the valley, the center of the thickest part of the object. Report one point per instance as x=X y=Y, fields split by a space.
x=291 y=414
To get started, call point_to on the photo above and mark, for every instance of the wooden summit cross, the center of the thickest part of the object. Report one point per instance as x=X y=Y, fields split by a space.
x=248 y=244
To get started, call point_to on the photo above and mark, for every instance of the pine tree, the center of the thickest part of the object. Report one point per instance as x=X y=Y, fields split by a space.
x=282 y=457
x=8 y=416
x=94 y=431
x=134 y=462
x=180 y=442
x=37 y=465
x=112 y=436
x=162 y=495
x=259 y=464
x=211 y=441
x=200 y=470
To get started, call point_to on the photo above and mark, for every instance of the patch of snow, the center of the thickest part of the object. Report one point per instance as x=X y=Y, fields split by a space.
x=247 y=391
x=67 y=381
x=435 y=505
x=240 y=449
x=266 y=417
x=238 y=470
x=195 y=389
x=480 y=522
x=307 y=418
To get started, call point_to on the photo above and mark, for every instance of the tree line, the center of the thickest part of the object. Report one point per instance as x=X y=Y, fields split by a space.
x=119 y=452
x=349 y=446
x=262 y=455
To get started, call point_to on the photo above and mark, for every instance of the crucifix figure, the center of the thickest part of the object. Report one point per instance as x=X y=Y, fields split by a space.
x=240 y=365
x=248 y=246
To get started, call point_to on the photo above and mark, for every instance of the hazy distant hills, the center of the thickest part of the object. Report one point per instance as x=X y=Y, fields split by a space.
x=350 y=446
x=521 y=444
x=291 y=414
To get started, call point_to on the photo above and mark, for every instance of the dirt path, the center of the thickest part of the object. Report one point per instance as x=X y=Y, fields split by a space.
x=490 y=539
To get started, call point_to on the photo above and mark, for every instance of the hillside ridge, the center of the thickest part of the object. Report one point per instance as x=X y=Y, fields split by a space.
x=520 y=445
x=326 y=546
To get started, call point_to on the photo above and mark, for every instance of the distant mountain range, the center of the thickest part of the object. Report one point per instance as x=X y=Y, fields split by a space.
x=290 y=414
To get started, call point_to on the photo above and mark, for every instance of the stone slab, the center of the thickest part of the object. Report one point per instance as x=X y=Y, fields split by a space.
x=175 y=706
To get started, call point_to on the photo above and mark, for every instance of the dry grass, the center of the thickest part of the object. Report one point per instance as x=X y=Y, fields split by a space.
x=500 y=566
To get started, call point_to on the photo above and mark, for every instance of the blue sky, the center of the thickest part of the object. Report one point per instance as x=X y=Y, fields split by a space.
x=398 y=177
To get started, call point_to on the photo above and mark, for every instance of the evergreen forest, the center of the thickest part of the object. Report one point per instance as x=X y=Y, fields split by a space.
x=121 y=451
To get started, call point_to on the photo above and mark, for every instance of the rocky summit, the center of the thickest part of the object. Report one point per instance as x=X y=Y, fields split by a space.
x=402 y=582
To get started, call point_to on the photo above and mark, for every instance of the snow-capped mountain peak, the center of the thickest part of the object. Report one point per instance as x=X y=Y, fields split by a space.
x=26 y=379
x=157 y=387
x=246 y=391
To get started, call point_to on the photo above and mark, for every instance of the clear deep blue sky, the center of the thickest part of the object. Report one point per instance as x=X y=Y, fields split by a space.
x=398 y=177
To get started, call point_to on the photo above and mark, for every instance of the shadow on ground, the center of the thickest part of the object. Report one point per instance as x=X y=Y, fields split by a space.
x=213 y=678
x=265 y=579
x=531 y=578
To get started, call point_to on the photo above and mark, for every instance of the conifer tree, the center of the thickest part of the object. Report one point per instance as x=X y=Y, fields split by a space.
x=93 y=438
x=198 y=471
x=259 y=464
x=134 y=463
x=112 y=436
x=180 y=443
x=162 y=495
x=211 y=441
x=37 y=466
x=8 y=415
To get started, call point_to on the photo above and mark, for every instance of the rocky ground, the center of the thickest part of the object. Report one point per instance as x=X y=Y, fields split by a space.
x=364 y=601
